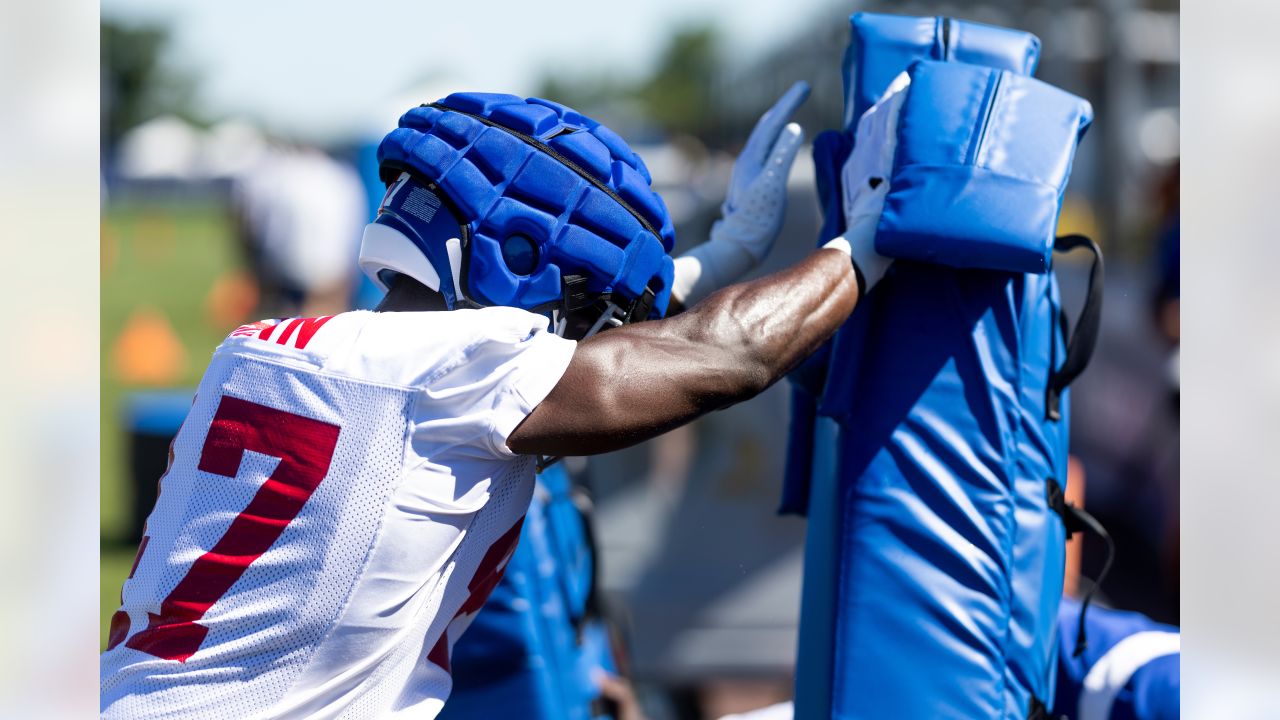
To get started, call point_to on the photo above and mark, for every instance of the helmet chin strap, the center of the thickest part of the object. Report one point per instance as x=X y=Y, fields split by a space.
x=613 y=316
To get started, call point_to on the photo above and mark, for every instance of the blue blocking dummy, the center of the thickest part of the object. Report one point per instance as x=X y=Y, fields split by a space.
x=885 y=45
x=534 y=648
x=932 y=581
x=881 y=47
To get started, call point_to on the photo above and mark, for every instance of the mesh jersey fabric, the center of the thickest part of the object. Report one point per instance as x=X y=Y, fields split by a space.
x=339 y=502
x=536 y=646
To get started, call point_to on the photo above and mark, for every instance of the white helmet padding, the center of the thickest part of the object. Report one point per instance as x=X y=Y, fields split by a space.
x=386 y=248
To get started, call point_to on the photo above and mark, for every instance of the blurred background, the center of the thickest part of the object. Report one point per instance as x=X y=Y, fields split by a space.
x=237 y=170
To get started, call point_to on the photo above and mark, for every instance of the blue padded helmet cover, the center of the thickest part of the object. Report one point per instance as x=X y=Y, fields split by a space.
x=563 y=194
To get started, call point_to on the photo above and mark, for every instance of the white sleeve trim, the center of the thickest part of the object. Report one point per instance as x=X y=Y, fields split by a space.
x=781 y=711
x=531 y=384
x=1111 y=673
x=707 y=268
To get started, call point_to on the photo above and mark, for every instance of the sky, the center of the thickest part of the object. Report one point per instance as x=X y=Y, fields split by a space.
x=326 y=69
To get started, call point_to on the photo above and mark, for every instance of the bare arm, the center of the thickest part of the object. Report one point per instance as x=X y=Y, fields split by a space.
x=628 y=385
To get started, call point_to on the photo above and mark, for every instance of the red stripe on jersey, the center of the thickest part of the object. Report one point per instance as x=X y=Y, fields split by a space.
x=142 y=547
x=288 y=331
x=491 y=568
x=294 y=331
x=488 y=573
x=266 y=331
x=119 y=629
x=251 y=329
x=439 y=652
x=307 y=329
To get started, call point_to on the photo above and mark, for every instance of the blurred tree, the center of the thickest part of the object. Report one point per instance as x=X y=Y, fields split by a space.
x=584 y=93
x=675 y=95
x=135 y=85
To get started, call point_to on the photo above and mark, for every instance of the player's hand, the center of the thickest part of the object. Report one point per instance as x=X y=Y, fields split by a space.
x=753 y=210
x=864 y=181
x=752 y=213
x=619 y=693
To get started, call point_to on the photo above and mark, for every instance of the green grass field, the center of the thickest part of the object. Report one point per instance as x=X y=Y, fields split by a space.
x=165 y=258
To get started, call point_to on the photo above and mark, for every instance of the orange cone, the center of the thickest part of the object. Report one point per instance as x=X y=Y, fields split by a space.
x=148 y=351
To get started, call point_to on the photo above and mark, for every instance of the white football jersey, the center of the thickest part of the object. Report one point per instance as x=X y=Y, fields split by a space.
x=339 y=503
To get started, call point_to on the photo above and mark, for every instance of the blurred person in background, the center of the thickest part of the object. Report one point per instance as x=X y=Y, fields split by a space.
x=1126 y=425
x=1113 y=664
x=1168 y=262
x=298 y=213
x=1166 y=302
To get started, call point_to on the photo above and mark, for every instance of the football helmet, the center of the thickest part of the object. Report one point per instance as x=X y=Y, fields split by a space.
x=499 y=200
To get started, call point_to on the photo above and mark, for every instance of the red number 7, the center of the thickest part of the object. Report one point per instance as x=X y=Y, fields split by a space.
x=305 y=448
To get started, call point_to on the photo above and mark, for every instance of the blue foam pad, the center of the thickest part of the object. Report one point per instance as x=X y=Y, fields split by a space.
x=597 y=212
x=577 y=248
x=500 y=288
x=528 y=119
x=885 y=45
x=982 y=160
x=948 y=549
x=634 y=188
x=831 y=149
x=457 y=130
x=567 y=114
x=618 y=147
x=480 y=103
x=498 y=155
x=642 y=259
x=546 y=183
x=882 y=46
x=586 y=151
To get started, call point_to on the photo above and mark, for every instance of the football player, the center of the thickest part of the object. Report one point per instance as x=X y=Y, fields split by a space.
x=346 y=490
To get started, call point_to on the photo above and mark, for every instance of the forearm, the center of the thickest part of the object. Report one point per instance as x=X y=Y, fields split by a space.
x=767 y=326
x=634 y=383
x=726 y=349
